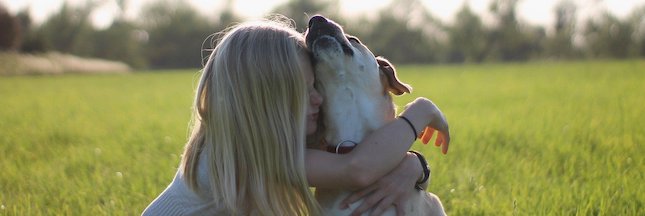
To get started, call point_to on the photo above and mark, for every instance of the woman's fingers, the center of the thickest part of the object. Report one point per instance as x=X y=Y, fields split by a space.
x=400 y=211
x=443 y=137
x=383 y=205
x=445 y=142
x=439 y=140
x=356 y=196
x=427 y=135
x=370 y=202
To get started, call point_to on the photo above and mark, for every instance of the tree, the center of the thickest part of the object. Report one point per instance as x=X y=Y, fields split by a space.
x=70 y=30
x=467 y=37
x=608 y=37
x=32 y=41
x=404 y=32
x=560 y=44
x=176 y=32
x=301 y=10
x=637 y=21
x=122 y=41
x=508 y=40
x=228 y=16
x=10 y=37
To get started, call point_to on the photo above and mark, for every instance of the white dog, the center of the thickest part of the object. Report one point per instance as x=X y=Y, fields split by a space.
x=355 y=85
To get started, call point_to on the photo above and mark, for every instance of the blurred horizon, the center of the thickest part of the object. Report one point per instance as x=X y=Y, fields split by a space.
x=175 y=34
x=534 y=12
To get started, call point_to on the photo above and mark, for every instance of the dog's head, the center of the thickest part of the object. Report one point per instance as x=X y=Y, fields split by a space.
x=341 y=56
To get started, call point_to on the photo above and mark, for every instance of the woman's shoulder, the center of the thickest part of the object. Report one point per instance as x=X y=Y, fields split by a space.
x=179 y=199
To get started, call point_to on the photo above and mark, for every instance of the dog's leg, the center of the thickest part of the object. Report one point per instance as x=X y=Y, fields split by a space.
x=434 y=205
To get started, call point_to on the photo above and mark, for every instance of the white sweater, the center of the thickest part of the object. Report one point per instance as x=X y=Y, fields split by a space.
x=179 y=199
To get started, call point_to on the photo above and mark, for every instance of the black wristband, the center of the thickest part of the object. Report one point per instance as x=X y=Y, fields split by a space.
x=414 y=130
x=426 y=170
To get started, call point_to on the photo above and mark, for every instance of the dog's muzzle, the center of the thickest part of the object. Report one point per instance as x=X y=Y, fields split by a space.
x=323 y=33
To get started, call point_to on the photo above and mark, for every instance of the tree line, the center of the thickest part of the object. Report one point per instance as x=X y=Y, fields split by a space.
x=171 y=34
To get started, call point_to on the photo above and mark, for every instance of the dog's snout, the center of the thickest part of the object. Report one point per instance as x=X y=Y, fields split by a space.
x=323 y=32
x=317 y=20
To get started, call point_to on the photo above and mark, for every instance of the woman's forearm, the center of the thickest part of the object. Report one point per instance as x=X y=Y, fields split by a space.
x=380 y=152
x=375 y=156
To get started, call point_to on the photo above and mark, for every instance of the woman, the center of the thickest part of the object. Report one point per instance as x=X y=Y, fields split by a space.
x=254 y=105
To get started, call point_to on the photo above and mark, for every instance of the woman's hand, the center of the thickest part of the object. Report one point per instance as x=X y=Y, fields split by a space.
x=423 y=112
x=392 y=190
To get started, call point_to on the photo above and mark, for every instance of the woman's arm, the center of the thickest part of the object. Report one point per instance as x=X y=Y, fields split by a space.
x=378 y=154
x=392 y=189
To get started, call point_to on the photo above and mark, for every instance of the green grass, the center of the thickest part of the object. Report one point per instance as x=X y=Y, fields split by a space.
x=528 y=139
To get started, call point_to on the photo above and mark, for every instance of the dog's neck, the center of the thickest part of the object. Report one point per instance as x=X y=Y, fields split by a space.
x=354 y=108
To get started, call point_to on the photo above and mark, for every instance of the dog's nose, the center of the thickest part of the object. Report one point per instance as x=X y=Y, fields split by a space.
x=317 y=19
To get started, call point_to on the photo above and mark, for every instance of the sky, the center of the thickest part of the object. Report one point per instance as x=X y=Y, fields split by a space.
x=537 y=12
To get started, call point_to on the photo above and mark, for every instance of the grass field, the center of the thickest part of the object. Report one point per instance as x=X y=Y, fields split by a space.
x=528 y=139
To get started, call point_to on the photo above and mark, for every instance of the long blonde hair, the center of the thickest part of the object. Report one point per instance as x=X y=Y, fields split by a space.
x=249 y=121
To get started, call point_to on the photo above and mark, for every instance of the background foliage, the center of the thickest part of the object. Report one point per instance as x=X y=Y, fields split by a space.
x=169 y=33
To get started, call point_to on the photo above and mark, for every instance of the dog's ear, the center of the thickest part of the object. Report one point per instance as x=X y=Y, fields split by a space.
x=388 y=78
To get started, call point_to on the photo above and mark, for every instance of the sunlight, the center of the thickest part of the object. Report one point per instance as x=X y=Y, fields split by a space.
x=538 y=12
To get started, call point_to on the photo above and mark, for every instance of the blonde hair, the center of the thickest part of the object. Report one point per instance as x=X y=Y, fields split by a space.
x=249 y=119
